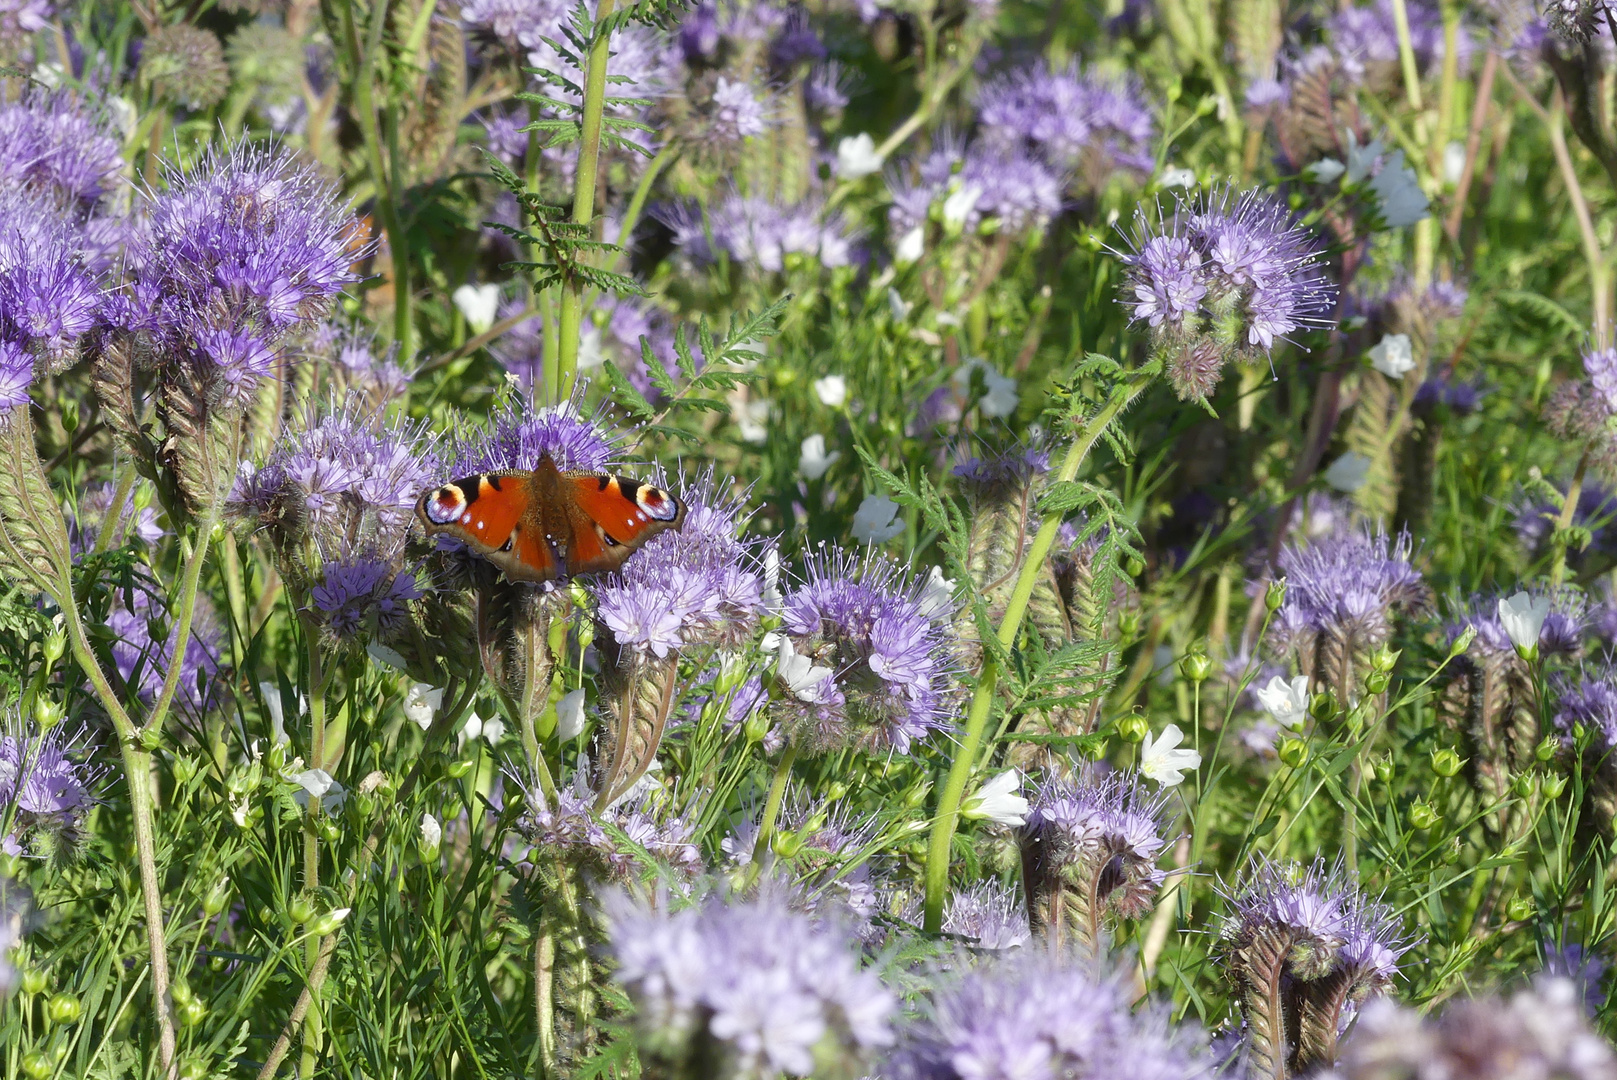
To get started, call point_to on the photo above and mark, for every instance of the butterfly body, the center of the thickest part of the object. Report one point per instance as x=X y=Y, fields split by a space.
x=544 y=524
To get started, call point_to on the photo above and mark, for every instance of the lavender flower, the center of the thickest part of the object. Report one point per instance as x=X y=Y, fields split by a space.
x=700 y=585
x=1365 y=37
x=571 y=828
x=987 y=916
x=519 y=433
x=737 y=113
x=1591 y=702
x=1075 y=123
x=862 y=621
x=732 y=990
x=1089 y=847
x=95 y=513
x=1034 y=1013
x=1586 y=970
x=143 y=663
x=826 y=847
x=1223 y=277
x=49 y=299
x=241 y=250
x=43 y=783
x=761 y=234
x=980 y=188
x=358 y=595
x=52 y=142
x=1540 y=1031
x=21 y=18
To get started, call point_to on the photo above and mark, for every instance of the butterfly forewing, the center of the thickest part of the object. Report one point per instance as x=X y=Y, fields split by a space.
x=494 y=515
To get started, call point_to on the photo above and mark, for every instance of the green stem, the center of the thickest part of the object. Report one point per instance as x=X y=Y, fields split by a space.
x=1569 y=507
x=766 y=824
x=312 y=1031
x=584 y=183
x=186 y=614
x=631 y=217
x=982 y=700
x=1406 y=55
x=120 y=495
x=365 y=110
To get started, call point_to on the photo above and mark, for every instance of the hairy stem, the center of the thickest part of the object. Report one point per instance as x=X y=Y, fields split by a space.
x=381 y=180
x=766 y=824
x=1569 y=507
x=187 y=612
x=982 y=700
x=312 y=1034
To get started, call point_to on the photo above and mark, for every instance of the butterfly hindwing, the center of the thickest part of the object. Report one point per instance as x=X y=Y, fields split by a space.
x=606 y=518
x=494 y=515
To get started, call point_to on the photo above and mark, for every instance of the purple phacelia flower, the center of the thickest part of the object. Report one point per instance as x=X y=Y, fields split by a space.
x=886 y=662
x=356 y=593
x=1037 y=1013
x=49 y=298
x=1350 y=585
x=1077 y=123
x=52 y=142
x=1591 y=701
x=699 y=34
x=143 y=664
x=761 y=234
x=982 y=185
x=746 y=989
x=19 y=19
x=42 y=778
x=1307 y=908
x=513 y=21
x=737 y=113
x=1365 y=35
x=1224 y=276
x=1584 y=969
x=987 y=916
x=16 y=374
x=569 y=826
x=520 y=432
x=699 y=585
x=94 y=513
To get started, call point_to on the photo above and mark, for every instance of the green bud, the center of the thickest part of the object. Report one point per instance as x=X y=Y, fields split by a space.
x=1446 y=762
x=1196 y=667
x=1384 y=659
x=1580 y=733
x=1422 y=815
x=1133 y=728
x=180 y=991
x=11 y=866
x=786 y=844
x=1128 y=624
x=55 y=647
x=491 y=940
x=1547 y=748
x=1383 y=768
x=1452 y=852
x=194 y=1070
x=37 y=1065
x=836 y=791
x=217 y=897
x=757 y=726
x=193 y=1012
x=47 y=713
x=328 y=922
x=458 y=769
x=63 y=1009
x=150 y=738
x=32 y=981
x=1134 y=567
x=1377 y=682
x=1275 y=595
x=300 y=910
x=1463 y=642
x=1520 y=909
x=186 y=769
x=70 y=415
x=1522 y=785
x=1553 y=785
x=328 y=831
x=1323 y=707
x=916 y=795
x=1294 y=752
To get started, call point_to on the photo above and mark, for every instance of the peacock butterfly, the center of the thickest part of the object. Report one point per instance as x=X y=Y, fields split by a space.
x=545 y=524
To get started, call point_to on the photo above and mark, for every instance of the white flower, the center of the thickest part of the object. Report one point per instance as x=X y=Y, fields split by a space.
x=1393 y=356
x=998 y=801
x=431 y=834
x=1162 y=762
x=124 y=115
x=590 y=352
x=1397 y=191
x=751 y=418
x=1348 y=472
x=384 y=655
x=420 y=702
x=1453 y=162
x=812 y=460
x=774 y=603
x=1523 y=617
x=875 y=522
x=1000 y=396
x=802 y=676
x=479 y=303
x=857 y=157
x=277 y=716
x=896 y=302
x=493 y=730
x=911 y=246
x=1324 y=170
x=570 y=715
x=471 y=730
x=239 y=812
x=831 y=390
x=937 y=595
x=960 y=203
x=1286 y=702
x=318 y=784
x=1172 y=177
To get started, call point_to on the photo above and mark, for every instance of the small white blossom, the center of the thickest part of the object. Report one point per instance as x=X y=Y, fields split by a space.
x=478 y=303
x=911 y=246
x=857 y=157
x=876 y=520
x=774 y=602
x=937 y=595
x=1453 y=162
x=1348 y=472
x=431 y=834
x=751 y=418
x=1181 y=178
x=318 y=784
x=960 y=203
x=1286 y=701
x=570 y=715
x=802 y=676
x=1393 y=356
x=812 y=460
x=998 y=801
x=831 y=390
x=1523 y=617
x=384 y=655
x=420 y=702
x=1000 y=396
x=1325 y=170
x=896 y=303
x=1162 y=761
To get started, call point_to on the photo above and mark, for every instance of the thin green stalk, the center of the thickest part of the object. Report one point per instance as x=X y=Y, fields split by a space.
x=766 y=825
x=631 y=217
x=1569 y=507
x=982 y=701
x=589 y=160
x=120 y=495
x=1406 y=55
x=186 y=614
x=365 y=109
x=312 y=1032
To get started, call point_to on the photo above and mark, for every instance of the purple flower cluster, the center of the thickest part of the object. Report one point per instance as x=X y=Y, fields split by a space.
x=701 y=585
x=613 y=333
x=240 y=251
x=143 y=663
x=1592 y=702
x=865 y=662
x=830 y=864
x=1033 y=1013
x=1011 y=189
x=746 y=989
x=53 y=143
x=355 y=366
x=49 y=298
x=737 y=113
x=1104 y=829
x=573 y=829
x=759 y=233
x=21 y=18
x=1581 y=411
x=1560 y=635
x=987 y=916
x=1366 y=36
x=42 y=779
x=358 y=595
x=1075 y=123
x=1537 y=518
x=1223 y=276
x=1348 y=585
x=95 y=513
x=344 y=487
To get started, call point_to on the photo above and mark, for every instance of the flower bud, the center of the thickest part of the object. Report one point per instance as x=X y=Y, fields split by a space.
x=1275 y=595
x=1384 y=659
x=47 y=713
x=217 y=897
x=193 y=1012
x=1463 y=642
x=786 y=844
x=180 y=991
x=1294 y=752
x=1520 y=909
x=1452 y=852
x=70 y=414
x=1580 y=733
x=1133 y=728
x=63 y=1009
x=1446 y=762
x=1196 y=667
x=1422 y=815
x=37 y=1065
x=916 y=795
x=1553 y=785
x=1547 y=747
x=1128 y=624
x=55 y=647
x=328 y=922
x=186 y=769
x=300 y=910
x=1383 y=768
x=836 y=791
x=458 y=769
x=1522 y=785
x=1323 y=707
x=327 y=828
x=149 y=737
x=32 y=981
x=756 y=726
x=1377 y=682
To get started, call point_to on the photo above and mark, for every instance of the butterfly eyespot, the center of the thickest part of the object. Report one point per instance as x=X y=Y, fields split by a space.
x=656 y=503
x=443 y=505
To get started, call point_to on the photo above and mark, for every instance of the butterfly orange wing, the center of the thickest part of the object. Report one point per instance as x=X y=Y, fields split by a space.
x=498 y=517
x=597 y=521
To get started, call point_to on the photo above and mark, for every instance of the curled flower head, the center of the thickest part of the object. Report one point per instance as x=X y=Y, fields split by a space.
x=520 y=432
x=358 y=595
x=1350 y=584
x=746 y=989
x=569 y=825
x=700 y=585
x=1284 y=911
x=43 y=777
x=977 y=188
x=1223 y=277
x=1590 y=701
x=862 y=621
x=988 y=916
x=144 y=662
x=760 y=234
